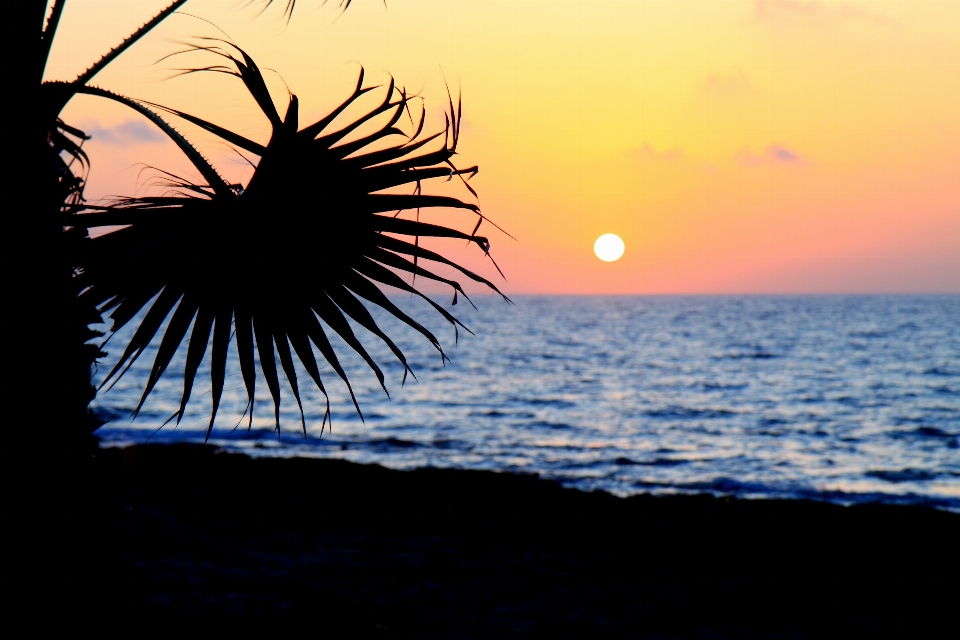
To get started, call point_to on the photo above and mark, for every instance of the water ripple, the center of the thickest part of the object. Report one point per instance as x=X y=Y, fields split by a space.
x=837 y=398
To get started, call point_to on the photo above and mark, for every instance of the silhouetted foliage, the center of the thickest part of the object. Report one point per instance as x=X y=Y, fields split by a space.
x=316 y=229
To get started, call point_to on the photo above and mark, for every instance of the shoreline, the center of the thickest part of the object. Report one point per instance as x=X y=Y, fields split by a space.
x=722 y=487
x=180 y=534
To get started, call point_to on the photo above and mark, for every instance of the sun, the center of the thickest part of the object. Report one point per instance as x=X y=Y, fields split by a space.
x=608 y=247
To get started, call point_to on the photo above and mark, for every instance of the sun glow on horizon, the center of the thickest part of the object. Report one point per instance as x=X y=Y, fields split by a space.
x=745 y=146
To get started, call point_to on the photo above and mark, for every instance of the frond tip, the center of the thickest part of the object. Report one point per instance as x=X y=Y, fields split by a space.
x=286 y=259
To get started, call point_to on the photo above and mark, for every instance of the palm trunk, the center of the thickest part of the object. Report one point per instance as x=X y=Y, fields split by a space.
x=46 y=426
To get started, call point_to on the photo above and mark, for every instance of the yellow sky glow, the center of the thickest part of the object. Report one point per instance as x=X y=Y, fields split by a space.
x=735 y=145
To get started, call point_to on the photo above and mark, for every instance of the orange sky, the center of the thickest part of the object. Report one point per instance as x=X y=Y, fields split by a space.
x=737 y=146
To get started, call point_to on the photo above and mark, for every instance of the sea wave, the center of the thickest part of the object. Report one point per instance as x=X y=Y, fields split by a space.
x=830 y=397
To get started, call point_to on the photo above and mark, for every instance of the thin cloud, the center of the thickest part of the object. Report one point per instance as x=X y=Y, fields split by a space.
x=780 y=9
x=782 y=154
x=727 y=85
x=648 y=153
x=127 y=132
x=812 y=12
x=774 y=154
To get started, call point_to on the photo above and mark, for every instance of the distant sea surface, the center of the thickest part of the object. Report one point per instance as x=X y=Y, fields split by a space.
x=845 y=399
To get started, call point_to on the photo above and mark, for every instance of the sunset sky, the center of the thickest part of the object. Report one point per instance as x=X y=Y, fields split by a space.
x=737 y=146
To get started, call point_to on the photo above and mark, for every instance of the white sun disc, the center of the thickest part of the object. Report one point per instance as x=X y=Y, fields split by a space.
x=608 y=247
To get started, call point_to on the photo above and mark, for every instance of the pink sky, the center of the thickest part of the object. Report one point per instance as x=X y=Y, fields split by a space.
x=767 y=146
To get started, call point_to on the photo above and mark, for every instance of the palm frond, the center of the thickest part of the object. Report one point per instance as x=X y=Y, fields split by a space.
x=54 y=96
x=314 y=232
x=66 y=149
x=50 y=30
x=129 y=41
x=214 y=182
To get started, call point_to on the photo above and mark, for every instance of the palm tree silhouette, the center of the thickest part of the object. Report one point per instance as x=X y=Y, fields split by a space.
x=322 y=208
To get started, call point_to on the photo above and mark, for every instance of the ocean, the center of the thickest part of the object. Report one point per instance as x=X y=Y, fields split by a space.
x=846 y=399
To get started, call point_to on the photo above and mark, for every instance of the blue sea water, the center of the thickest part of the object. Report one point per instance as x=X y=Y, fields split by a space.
x=845 y=399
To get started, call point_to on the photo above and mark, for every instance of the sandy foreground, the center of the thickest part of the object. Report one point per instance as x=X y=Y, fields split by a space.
x=187 y=540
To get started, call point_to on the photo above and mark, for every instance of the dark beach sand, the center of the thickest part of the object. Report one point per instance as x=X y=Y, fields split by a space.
x=185 y=540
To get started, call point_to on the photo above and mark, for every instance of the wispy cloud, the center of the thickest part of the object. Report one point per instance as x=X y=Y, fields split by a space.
x=780 y=9
x=648 y=153
x=727 y=85
x=774 y=154
x=127 y=132
x=814 y=12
